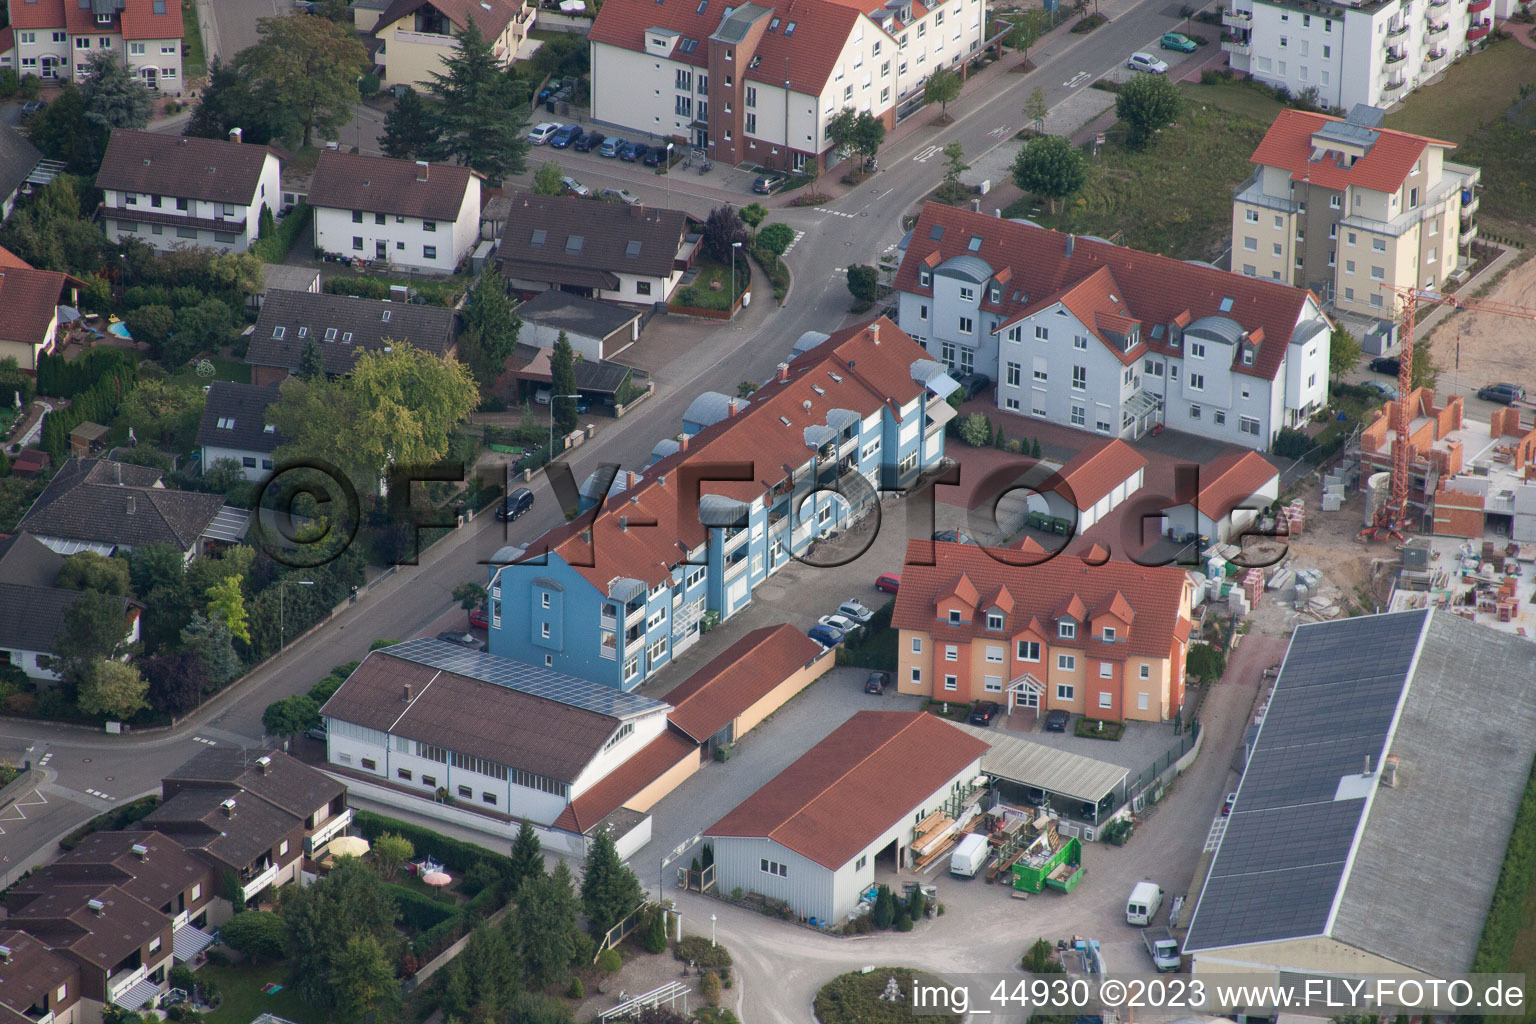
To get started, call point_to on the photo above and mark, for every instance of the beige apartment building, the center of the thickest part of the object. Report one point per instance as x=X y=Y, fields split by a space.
x=1353 y=211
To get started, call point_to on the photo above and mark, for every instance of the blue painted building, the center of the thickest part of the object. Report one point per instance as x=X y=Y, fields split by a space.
x=613 y=595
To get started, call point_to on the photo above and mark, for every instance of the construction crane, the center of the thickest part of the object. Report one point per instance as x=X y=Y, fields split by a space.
x=1392 y=518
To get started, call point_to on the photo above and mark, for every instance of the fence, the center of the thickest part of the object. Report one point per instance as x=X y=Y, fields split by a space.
x=1161 y=771
x=616 y=934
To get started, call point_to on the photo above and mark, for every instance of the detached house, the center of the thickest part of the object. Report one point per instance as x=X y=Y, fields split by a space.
x=172 y=190
x=417 y=215
x=33 y=609
x=234 y=426
x=1096 y=336
x=612 y=596
x=29 y=309
x=1107 y=641
x=343 y=326
x=415 y=36
x=760 y=82
x=49 y=37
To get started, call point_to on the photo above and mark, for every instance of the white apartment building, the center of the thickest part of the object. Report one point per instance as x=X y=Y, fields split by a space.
x=1081 y=332
x=52 y=39
x=1371 y=53
x=417 y=215
x=172 y=190
x=1353 y=211
x=760 y=82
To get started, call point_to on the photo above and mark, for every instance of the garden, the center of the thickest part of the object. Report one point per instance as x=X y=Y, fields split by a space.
x=877 y=995
x=711 y=287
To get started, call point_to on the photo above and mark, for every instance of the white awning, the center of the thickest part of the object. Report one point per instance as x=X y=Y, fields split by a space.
x=942 y=385
x=188 y=941
x=1056 y=771
x=942 y=414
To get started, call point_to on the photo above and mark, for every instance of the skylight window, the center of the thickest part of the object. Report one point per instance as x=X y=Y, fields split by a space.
x=538 y=237
x=303 y=332
x=936 y=232
x=773 y=26
x=975 y=244
x=330 y=334
x=573 y=243
x=269 y=429
x=1226 y=304
x=226 y=423
x=632 y=250
x=386 y=316
x=347 y=336
x=789 y=30
x=702 y=4
x=277 y=332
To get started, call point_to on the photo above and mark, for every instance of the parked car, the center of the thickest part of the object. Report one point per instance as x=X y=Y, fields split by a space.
x=479 y=618
x=825 y=635
x=766 y=183
x=541 y=396
x=1385 y=364
x=1382 y=388
x=973 y=384
x=541 y=133
x=841 y=623
x=30 y=107
x=888 y=582
x=621 y=195
x=1146 y=62
x=984 y=712
x=877 y=682
x=1504 y=394
x=1056 y=720
x=1178 y=41
x=1226 y=805
x=633 y=151
x=514 y=505
x=468 y=641
x=655 y=157
x=588 y=142
x=564 y=136
x=610 y=147
x=317 y=733
x=575 y=187
x=855 y=610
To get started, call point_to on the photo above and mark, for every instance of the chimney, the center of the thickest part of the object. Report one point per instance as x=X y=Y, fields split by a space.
x=637 y=211
x=405 y=693
x=130 y=504
x=975 y=205
x=731 y=409
x=783 y=371
x=228 y=807
x=140 y=851
x=586 y=536
x=1367 y=772
x=97 y=907
x=118 y=468
x=264 y=765
x=623 y=524
x=236 y=135
x=421 y=170
x=1071 y=241
x=1389 y=771
x=874 y=332
x=682 y=443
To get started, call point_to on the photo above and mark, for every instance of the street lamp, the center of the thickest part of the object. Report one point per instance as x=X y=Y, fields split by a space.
x=552 y=400
x=667 y=173
x=282 y=622
x=711 y=929
x=732 y=307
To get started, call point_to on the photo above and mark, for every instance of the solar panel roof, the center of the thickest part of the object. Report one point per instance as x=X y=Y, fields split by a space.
x=1277 y=872
x=530 y=679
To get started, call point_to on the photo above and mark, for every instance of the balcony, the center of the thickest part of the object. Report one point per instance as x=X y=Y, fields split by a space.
x=1239 y=19
x=1394 y=31
x=258 y=883
x=1437 y=4
x=1236 y=44
x=1394 y=85
x=330 y=830
x=1393 y=56
x=1477 y=6
x=120 y=983
x=1468 y=234
x=426 y=39
x=1479 y=32
x=1433 y=55
x=1435 y=28
x=1469 y=204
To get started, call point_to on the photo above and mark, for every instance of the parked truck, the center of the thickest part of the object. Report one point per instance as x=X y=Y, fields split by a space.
x=1162 y=947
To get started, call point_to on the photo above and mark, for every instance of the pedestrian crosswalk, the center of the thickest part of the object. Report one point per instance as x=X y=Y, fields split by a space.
x=201 y=739
x=834 y=213
x=791 y=247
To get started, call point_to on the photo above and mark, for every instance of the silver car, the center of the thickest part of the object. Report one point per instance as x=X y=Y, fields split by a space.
x=622 y=195
x=1146 y=62
x=575 y=187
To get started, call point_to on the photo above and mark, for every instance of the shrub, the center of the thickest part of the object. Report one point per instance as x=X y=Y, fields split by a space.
x=274 y=247
x=695 y=949
x=1506 y=912
x=884 y=911
x=418 y=911
x=576 y=991
x=975 y=430
x=1291 y=444
x=609 y=961
x=903 y=921
x=709 y=988
x=451 y=853
x=115 y=820
x=1040 y=958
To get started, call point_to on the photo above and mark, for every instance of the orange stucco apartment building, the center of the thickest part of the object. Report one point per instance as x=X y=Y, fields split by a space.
x=1107 y=641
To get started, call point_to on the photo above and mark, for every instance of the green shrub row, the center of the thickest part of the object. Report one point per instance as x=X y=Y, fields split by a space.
x=1506 y=911
x=420 y=912
x=451 y=853
x=98 y=405
x=116 y=819
x=434 y=293
x=58 y=377
x=274 y=246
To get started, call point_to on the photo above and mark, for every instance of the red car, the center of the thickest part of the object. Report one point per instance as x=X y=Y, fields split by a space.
x=478 y=619
x=888 y=582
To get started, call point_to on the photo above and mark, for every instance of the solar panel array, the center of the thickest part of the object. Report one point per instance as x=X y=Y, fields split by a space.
x=529 y=679
x=1281 y=861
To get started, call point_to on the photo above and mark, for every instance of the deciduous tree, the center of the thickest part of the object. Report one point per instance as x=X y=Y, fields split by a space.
x=259 y=934
x=753 y=215
x=87 y=570
x=1049 y=166
x=227 y=604
x=775 y=238
x=177 y=681
x=1025 y=30
x=109 y=687
x=723 y=228
x=303 y=72
x=470 y=595
x=1037 y=109
x=390 y=850
x=941 y=87
x=94 y=629
x=1344 y=352
x=1147 y=104
x=291 y=716
x=362 y=977
x=546 y=180
x=227 y=101
x=62 y=131
x=864 y=282
x=350 y=902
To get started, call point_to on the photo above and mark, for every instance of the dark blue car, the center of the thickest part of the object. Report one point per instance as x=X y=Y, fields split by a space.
x=565 y=136
x=634 y=151
x=825 y=635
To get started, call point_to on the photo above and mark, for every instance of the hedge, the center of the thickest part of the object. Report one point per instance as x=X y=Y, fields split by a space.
x=58 y=377
x=451 y=853
x=446 y=292
x=1507 y=909
x=274 y=248
x=420 y=912
x=115 y=820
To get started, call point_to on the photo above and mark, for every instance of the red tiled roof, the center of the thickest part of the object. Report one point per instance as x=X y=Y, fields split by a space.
x=9 y=259
x=491 y=16
x=1093 y=474
x=1149 y=288
x=661 y=521
x=1228 y=482
x=807 y=58
x=43 y=14
x=29 y=301
x=1384 y=167
x=643 y=767
x=7 y=39
x=1153 y=595
x=853 y=786
x=139 y=20
x=745 y=673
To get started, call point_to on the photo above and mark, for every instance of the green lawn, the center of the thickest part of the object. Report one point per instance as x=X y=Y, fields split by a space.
x=224 y=369
x=1236 y=98
x=1467 y=107
x=194 y=62
x=244 y=1000
x=699 y=295
x=1523 y=957
x=1173 y=198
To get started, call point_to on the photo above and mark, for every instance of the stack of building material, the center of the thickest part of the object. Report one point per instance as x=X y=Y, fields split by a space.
x=1253 y=585
x=1294 y=516
x=1281 y=579
x=1238 y=604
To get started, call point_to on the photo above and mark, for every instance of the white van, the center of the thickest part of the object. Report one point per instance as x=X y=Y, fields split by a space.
x=1146 y=899
x=969 y=856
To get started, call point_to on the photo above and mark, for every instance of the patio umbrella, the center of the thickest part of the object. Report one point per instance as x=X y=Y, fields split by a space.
x=68 y=314
x=436 y=879
x=349 y=846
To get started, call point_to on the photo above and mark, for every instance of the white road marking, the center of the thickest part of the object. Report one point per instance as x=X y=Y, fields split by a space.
x=926 y=153
x=999 y=131
x=211 y=743
x=791 y=246
x=1076 y=80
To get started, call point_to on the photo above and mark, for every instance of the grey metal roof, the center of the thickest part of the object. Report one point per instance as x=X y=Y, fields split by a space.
x=717 y=510
x=1307 y=330
x=18 y=159
x=966 y=267
x=1281 y=864
x=818 y=434
x=563 y=311
x=710 y=408
x=842 y=419
x=933 y=376
x=626 y=588
x=529 y=679
x=666 y=446
x=809 y=340
x=734 y=28
x=1057 y=771
x=1221 y=328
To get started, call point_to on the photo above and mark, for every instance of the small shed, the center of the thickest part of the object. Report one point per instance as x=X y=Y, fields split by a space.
x=281 y=277
x=596 y=330
x=29 y=462
x=87 y=439
x=1227 y=496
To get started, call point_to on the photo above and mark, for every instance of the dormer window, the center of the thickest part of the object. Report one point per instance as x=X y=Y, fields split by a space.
x=995 y=294
x=925 y=277
x=954 y=616
x=1109 y=634
x=1066 y=629
x=994 y=620
x=1247 y=357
